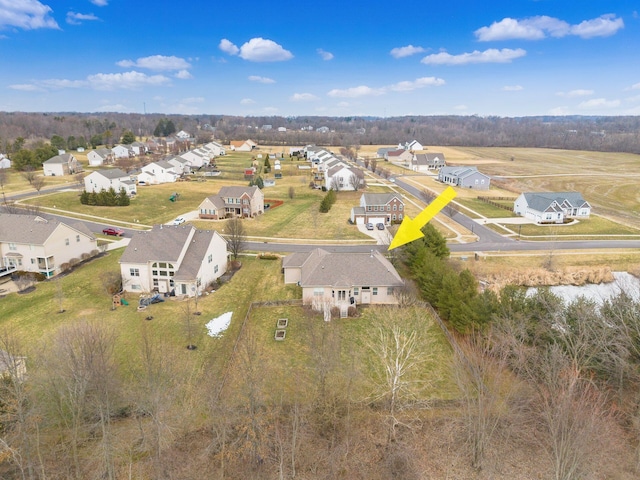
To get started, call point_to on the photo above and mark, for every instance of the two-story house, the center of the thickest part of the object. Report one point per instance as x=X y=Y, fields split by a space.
x=179 y=259
x=34 y=244
x=158 y=172
x=378 y=208
x=233 y=201
x=64 y=164
x=112 y=178
x=100 y=156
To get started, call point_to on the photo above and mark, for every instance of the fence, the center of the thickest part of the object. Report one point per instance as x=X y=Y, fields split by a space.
x=491 y=201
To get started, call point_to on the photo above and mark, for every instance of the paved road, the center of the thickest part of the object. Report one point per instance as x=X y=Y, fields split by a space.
x=488 y=240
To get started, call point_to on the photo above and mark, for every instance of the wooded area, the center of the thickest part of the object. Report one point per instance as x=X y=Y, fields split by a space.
x=619 y=134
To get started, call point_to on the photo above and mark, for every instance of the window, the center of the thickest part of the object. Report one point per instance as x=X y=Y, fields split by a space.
x=210 y=258
x=66 y=241
x=33 y=261
x=12 y=246
x=136 y=287
x=318 y=292
x=134 y=272
x=389 y=290
x=342 y=295
x=215 y=269
x=356 y=291
x=400 y=207
x=388 y=208
x=375 y=291
x=393 y=217
x=395 y=207
x=77 y=238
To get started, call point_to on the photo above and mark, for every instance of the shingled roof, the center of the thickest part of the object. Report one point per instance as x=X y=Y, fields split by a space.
x=32 y=229
x=323 y=268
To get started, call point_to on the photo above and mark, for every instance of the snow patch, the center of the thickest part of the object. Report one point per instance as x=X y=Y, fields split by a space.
x=219 y=324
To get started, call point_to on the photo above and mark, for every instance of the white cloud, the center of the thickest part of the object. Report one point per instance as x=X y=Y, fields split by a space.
x=343 y=104
x=183 y=75
x=127 y=80
x=247 y=101
x=512 y=88
x=74 y=18
x=157 y=63
x=576 y=93
x=264 y=50
x=256 y=78
x=407 y=51
x=559 y=111
x=26 y=14
x=599 y=103
x=26 y=87
x=228 y=47
x=354 y=92
x=100 y=3
x=64 y=83
x=193 y=100
x=256 y=50
x=635 y=86
x=404 y=86
x=303 y=97
x=324 y=54
x=603 y=26
x=118 y=107
x=408 y=86
x=539 y=27
x=491 y=55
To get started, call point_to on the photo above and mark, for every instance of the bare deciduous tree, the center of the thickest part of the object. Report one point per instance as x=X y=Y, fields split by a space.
x=398 y=350
x=236 y=237
x=38 y=182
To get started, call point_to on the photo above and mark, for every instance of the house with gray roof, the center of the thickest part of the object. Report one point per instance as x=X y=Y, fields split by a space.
x=465 y=177
x=233 y=201
x=34 y=244
x=342 y=177
x=552 y=207
x=399 y=156
x=383 y=151
x=64 y=164
x=155 y=173
x=427 y=162
x=179 y=259
x=342 y=279
x=100 y=156
x=111 y=178
x=378 y=208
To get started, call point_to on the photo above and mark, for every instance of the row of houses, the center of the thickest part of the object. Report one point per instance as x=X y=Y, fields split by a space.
x=335 y=173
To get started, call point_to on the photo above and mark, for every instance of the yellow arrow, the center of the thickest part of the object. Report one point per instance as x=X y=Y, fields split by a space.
x=411 y=230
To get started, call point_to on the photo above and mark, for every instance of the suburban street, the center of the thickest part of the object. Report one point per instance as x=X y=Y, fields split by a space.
x=488 y=240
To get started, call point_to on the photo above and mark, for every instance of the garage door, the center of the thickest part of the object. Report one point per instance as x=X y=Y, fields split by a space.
x=375 y=220
x=359 y=220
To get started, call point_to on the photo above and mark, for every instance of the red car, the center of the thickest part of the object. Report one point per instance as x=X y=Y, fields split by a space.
x=113 y=231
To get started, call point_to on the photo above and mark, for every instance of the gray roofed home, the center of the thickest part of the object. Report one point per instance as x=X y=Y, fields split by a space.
x=179 y=259
x=35 y=244
x=466 y=177
x=424 y=162
x=552 y=207
x=342 y=279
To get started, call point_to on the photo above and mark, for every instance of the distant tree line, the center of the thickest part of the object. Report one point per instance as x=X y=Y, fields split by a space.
x=596 y=133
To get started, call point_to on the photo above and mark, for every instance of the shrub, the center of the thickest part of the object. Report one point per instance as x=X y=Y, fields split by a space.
x=65 y=267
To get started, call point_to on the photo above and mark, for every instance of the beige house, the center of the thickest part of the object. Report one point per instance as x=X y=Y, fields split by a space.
x=34 y=244
x=342 y=279
x=65 y=164
x=179 y=259
x=242 y=145
x=233 y=201
x=378 y=208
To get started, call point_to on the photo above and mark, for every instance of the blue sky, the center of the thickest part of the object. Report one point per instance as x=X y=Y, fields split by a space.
x=335 y=58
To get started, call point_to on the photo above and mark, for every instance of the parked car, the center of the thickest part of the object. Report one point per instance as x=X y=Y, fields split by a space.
x=178 y=221
x=380 y=226
x=117 y=232
x=369 y=226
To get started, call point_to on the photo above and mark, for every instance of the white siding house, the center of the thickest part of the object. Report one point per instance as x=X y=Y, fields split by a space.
x=106 y=179
x=180 y=259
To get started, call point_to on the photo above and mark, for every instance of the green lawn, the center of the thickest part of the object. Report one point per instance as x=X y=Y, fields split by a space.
x=34 y=317
x=484 y=209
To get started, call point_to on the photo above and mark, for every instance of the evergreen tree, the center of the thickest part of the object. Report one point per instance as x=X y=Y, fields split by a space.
x=123 y=199
x=128 y=138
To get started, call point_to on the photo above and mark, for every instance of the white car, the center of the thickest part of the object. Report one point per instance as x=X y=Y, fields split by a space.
x=178 y=221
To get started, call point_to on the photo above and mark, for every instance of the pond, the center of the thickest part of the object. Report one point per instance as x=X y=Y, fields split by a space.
x=598 y=292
